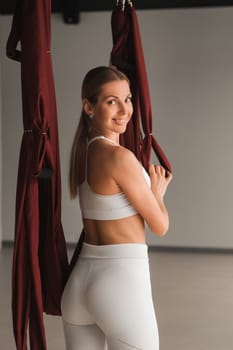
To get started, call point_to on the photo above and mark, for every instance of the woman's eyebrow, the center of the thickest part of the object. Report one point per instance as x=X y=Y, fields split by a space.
x=116 y=97
x=108 y=96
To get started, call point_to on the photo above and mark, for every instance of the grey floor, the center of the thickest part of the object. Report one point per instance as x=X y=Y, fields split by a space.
x=193 y=294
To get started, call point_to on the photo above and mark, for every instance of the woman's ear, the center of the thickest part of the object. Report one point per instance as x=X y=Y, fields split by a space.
x=87 y=107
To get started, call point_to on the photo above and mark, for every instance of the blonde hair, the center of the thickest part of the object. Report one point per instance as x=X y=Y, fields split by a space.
x=91 y=89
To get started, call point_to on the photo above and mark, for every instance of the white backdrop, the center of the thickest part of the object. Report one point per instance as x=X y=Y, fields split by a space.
x=189 y=55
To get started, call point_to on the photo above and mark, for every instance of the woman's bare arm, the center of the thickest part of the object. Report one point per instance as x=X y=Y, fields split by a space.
x=149 y=203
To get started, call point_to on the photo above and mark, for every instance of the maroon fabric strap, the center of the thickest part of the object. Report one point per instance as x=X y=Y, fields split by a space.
x=76 y=253
x=127 y=55
x=40 y=263
x=122 y=56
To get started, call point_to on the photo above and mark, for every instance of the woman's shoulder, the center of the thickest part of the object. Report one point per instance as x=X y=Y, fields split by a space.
x=114 y=159
x=124 y=159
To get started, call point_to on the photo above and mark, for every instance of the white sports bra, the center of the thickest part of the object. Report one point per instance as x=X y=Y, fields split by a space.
x=104 y=207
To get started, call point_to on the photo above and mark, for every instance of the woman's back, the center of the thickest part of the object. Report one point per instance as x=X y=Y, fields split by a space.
x=107 y=214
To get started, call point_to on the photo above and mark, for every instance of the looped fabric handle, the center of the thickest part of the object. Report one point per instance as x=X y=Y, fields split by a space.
x=14 y=36
x=15 y=55
x=11 y=50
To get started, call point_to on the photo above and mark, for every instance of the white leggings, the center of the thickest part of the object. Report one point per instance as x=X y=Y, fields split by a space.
x=107 y=302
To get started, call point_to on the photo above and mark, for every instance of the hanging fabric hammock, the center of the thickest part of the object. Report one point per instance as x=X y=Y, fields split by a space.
x=127 y=56
x=39 y=261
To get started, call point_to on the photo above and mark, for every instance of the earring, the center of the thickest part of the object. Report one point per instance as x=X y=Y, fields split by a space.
x=91 y=116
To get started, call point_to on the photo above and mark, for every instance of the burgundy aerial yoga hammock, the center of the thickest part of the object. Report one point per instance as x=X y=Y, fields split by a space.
x=40 y=262
x=127 y=56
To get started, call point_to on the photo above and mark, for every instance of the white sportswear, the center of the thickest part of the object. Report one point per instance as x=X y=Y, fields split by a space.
x=107 y=302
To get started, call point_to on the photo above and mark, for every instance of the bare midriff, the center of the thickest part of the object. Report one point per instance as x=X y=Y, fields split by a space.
x=103 y=232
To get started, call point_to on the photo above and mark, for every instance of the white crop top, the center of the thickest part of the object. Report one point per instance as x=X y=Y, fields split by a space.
x=104 y=207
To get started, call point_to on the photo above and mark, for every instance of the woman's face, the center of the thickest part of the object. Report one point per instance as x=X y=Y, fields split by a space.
x=113 y=109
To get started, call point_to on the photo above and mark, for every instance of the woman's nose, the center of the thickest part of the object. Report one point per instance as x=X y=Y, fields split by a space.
x=122 y=109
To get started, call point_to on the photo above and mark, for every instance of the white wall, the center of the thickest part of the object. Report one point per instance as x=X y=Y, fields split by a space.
x=189 y=55
x=191 y=76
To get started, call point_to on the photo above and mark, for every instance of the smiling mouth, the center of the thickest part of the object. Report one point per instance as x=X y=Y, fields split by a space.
x=120 y=121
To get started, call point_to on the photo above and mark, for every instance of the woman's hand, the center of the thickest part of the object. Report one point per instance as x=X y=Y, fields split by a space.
x=159 y=180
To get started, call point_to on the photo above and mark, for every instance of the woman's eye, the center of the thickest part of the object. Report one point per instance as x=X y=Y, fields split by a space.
x=128 y=99
x=111 y=102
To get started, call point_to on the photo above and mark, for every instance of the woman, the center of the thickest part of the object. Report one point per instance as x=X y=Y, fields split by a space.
x=107 y=302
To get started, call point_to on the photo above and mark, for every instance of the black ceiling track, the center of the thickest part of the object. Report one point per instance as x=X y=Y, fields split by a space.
x=7 y=6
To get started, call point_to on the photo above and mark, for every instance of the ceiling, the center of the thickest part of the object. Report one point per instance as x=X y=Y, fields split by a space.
x=7 y=6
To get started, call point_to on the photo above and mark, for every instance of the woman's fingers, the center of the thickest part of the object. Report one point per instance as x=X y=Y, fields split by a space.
x=160 y=179
x=160 y=170
x=152 y=169
x=163 y=171
x=169 y=177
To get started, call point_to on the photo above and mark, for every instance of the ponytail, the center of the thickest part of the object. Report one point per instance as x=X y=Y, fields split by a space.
x=91 y=88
